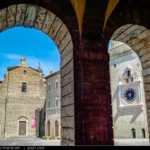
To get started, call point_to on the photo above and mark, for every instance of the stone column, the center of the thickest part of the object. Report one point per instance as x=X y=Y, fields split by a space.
x=93 y=110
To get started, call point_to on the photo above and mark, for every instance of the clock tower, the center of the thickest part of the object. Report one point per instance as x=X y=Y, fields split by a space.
x=130 y=89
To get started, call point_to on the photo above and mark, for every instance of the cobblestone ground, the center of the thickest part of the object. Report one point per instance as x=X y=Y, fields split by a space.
x=28 y=141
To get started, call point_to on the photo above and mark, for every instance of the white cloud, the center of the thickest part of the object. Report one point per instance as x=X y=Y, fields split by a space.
x=11 y=56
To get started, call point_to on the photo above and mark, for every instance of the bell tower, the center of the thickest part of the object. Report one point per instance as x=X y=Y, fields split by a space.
x=23 y=61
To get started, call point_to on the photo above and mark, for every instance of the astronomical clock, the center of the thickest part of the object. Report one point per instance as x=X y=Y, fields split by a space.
x=130 y=90
x=130 y=95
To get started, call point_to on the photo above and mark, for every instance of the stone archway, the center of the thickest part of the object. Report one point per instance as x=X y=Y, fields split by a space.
x=138 y=38
x=33 y=16
x=86 y=104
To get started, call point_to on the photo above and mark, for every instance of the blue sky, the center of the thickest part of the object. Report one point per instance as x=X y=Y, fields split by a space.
x=109 y=46
x=31 y=43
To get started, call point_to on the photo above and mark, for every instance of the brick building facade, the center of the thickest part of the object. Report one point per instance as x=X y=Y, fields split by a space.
x=22 y=92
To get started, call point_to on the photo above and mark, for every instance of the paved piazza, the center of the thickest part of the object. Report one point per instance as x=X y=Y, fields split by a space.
x=26 y=141
x=131 y=142
x=33 y=141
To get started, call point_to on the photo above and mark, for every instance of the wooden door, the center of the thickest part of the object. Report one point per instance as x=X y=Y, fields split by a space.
x=22 y=128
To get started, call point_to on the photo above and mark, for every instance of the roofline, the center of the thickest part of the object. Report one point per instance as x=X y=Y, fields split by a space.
x=16 y=67
x=12 y=68
x=53 y=74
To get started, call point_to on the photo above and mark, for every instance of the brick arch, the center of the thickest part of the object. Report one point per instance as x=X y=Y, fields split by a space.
x=138 y=38
x=33 y=16
x=22 y=118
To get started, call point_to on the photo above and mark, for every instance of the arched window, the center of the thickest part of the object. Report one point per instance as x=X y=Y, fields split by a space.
x=56 y=84
x=49 y=86
x=128 y=73
x=143 y=133
x=49 y=104
x=57 y=101
x=134 y=133
x=56 y=128
x=24 y=72
x=48 y=128
x=24 y=87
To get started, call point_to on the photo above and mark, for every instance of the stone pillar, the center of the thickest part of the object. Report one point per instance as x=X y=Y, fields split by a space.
x=93 y=110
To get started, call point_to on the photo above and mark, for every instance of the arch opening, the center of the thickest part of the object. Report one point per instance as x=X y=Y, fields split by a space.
x=136 y=39
x=32 y=16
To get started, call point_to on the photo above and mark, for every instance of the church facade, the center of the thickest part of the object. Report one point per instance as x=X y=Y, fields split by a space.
x=22 y=92
x=127 y=92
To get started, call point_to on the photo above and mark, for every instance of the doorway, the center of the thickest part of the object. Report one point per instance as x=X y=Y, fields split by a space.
x=22 y=128
x=48 y=128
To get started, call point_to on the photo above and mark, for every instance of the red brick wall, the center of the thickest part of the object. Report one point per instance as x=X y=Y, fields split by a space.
x=93 y=111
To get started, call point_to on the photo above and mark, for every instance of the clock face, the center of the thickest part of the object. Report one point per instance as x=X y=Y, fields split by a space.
x=130 y=95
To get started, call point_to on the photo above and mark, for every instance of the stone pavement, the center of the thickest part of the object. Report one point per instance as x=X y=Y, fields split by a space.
x=33 y=141
x=131 y=142
x=28 y=141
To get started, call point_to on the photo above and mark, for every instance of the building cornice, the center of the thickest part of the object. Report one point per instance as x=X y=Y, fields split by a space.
x=53 y=74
